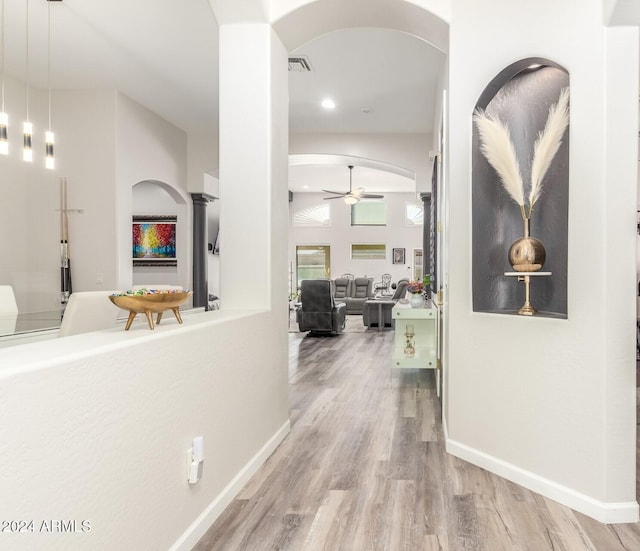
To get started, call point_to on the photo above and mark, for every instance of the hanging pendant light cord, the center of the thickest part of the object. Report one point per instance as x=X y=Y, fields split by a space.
x=49 y=57
x=2 y=61
x=26 y=78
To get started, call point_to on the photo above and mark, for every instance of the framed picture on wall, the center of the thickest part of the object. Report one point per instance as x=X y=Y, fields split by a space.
x=154 y=240
x=398 y=256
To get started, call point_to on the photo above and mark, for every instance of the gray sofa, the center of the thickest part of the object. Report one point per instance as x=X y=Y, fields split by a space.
x=353 y=292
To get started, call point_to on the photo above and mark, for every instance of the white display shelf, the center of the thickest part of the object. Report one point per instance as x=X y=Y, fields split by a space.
x=423 y=321
x=424 y=358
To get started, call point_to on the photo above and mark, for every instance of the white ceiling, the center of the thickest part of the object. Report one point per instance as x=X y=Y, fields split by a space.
x=389 y=73
x=163 y=54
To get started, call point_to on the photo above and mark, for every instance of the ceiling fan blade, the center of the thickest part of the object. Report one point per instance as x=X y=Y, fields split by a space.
x=371 y=196
x=336 y=192
x=336 y=197
x=358 y=192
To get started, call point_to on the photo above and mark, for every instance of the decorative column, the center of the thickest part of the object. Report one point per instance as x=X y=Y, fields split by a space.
x=200 y=281
x=428 y=240
x=253 y=168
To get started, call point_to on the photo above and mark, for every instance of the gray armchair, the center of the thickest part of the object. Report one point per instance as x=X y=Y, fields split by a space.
x=318 y=312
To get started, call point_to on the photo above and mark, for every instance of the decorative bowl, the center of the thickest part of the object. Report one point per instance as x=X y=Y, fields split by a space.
x=152 y=303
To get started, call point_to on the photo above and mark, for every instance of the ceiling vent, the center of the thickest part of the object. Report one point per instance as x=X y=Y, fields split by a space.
x=299 y=64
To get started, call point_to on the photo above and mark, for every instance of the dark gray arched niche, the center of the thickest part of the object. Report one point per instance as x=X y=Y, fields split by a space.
x=520 y=96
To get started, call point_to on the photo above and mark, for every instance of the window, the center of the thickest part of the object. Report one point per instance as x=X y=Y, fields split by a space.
x=312 y=262
x=316 y=216
x=417 y=264
x=369 y=213
x=413 y=214
x=368 y=251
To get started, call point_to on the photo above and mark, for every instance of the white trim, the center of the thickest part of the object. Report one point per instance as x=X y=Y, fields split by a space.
x=608 y=513
x=198 y=528
x=322 y=159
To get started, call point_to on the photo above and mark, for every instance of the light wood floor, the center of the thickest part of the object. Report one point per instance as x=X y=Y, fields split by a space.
x=364 y=468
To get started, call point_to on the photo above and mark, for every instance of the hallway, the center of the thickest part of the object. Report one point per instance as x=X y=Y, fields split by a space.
x=364 y=468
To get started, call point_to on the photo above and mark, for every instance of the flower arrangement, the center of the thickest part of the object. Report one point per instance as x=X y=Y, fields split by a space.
x=415 y=287
x=497 y=147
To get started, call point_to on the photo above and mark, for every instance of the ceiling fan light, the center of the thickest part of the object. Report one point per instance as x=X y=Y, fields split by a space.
x=350 y=200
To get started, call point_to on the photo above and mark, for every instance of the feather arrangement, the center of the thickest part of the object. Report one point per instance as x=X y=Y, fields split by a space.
x=496 y=146
x=547 y=145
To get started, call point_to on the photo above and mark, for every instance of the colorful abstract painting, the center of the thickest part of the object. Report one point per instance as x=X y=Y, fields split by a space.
x=154 y=241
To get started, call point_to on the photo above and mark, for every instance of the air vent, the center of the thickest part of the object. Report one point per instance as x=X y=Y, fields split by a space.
x=299 y=64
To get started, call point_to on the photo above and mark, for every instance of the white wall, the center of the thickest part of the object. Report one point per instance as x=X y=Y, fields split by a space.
x=621 y=12
x=30 y=196
x=96 y=427
x=150 y=148
x=202 y=157
x=551 y=403
x=410 y=151
x=85 y=124
x=340 y=235
x=28 y=199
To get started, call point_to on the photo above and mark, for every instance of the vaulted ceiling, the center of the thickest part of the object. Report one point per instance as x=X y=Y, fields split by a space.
x=163 y=54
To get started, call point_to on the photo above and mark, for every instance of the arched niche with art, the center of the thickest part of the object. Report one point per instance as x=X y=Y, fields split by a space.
x=520 y=186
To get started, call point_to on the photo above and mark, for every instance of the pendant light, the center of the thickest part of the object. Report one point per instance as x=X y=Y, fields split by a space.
x=4 y=118
x=27 y=127
x=48 y=135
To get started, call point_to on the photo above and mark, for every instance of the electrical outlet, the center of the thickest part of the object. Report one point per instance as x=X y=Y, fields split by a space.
x=195 y=460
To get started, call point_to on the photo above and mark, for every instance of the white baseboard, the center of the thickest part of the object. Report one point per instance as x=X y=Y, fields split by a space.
x=187 y=541
x=608 y=513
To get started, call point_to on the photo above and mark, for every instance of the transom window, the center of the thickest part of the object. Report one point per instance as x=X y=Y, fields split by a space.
x=316 y=216
x=369 y=213
x=413 y=214
x=368 y=251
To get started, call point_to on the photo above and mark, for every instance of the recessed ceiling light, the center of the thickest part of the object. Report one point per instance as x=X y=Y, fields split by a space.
x=328 y=103
x=305 y=187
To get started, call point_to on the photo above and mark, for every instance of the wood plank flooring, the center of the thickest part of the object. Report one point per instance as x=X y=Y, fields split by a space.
x=364 y=468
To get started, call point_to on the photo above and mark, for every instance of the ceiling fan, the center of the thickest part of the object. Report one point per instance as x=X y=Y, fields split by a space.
x=352 y=196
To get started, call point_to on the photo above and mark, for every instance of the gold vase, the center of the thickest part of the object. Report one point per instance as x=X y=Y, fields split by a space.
x=527 y=254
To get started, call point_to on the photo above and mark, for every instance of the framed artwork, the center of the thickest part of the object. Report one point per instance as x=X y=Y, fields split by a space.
x=154 y=241
x=398 y=256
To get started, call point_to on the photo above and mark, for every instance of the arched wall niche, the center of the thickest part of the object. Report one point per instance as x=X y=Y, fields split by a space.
x=153 y=197
x=520 y=96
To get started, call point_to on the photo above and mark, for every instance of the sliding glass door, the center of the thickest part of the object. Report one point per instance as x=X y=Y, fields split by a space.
x=312 y=262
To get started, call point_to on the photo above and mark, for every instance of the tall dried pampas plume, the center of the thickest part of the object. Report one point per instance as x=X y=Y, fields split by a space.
x=547 y=145
x=496 y=146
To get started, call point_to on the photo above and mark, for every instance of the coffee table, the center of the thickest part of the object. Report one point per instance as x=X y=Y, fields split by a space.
x=381 y=303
